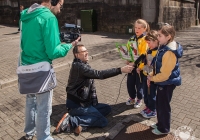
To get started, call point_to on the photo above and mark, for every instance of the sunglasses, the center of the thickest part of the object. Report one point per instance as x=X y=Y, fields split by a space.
x=61 y=6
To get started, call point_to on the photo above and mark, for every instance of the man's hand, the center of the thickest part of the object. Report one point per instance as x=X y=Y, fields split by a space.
x=127 y=69
x=130 y=63
x=74 y=43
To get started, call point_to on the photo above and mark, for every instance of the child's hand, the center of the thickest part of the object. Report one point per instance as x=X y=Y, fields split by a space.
x=148 y=82
x=149 y=77
x=149 y=63
x=138 y=70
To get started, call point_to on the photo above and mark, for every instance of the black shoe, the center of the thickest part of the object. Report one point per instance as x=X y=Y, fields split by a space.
x=27 y=137
x=63 y=124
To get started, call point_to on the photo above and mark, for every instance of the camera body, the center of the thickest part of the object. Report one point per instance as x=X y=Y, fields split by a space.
x=70 y=32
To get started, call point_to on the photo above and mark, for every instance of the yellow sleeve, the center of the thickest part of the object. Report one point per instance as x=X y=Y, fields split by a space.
x=168 y=64
x=143 y=46
x=141 y=66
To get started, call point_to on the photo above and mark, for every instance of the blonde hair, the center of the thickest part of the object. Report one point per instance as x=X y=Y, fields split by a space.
x=143 y=23
x=167 y=30
x=152 y=35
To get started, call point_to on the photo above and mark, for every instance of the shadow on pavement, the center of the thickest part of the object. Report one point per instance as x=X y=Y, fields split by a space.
x=22 y=138
x=59 y=110
x=11 y=33
x=113 y=118
x=135 y=130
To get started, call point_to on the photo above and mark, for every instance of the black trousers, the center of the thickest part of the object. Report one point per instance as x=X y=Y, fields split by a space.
x=163 y=99
x=134 y=85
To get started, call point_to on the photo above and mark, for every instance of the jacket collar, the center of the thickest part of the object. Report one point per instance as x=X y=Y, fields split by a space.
x=150 y=51
x=163 y=47
x=134 y=37
x=78 y=60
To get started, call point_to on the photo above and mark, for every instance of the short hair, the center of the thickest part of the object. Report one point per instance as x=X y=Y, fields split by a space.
x=75 y=49
x=152 y=35
x=166 y=30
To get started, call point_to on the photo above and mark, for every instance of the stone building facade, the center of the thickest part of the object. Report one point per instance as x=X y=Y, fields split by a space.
x=115 y=15
x=180 y=13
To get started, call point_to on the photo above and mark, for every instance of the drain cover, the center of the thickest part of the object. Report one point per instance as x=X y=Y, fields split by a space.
x=138 y=131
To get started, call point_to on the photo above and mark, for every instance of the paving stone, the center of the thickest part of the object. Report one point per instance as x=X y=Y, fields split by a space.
x=185 y=102
x=186 y=121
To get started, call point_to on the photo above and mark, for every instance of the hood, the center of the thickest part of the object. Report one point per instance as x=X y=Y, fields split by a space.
x=176 y=48
x=32 y=12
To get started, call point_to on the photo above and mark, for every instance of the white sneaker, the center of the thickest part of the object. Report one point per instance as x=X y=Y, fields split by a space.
x=138 y=104
x=130 y=101
x=157 y=132
x=154 y=126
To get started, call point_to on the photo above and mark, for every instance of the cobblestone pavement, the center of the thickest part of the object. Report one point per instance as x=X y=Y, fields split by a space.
x=185 y=101
x=9 y=50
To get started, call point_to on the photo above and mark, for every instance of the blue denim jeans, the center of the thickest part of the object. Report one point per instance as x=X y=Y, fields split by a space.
x=37 y=115
x=90 y=116
x=149 y=98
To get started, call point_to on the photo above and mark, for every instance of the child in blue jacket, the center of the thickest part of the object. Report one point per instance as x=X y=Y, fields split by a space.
x=167 y=76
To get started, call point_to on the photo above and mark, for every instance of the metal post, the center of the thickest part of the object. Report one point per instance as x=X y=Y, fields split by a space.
x=197 y=13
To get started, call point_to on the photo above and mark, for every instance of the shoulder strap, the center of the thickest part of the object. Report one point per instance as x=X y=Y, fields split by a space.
x=20 y=49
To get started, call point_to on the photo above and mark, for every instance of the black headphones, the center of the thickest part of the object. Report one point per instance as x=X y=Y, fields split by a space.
x=54 y=2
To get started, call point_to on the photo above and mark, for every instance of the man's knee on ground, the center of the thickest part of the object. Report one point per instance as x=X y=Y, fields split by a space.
x=104 y=122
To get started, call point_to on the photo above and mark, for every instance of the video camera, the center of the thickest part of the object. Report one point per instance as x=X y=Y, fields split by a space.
x=70 y=32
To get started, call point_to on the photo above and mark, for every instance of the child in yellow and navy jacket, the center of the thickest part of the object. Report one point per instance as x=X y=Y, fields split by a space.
x=149 y=91
x=167 y=76
x=134 y=80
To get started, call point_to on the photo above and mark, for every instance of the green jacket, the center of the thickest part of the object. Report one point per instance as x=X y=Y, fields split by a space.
x=40 y=36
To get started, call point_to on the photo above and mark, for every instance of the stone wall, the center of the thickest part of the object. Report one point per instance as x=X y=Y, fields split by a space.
x=8 y=15
x=179 y=13
x=111 y=18
x=112 y=15
x=115 y=15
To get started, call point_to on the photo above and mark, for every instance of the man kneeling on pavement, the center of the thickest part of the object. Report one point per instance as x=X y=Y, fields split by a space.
x=82 y=102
